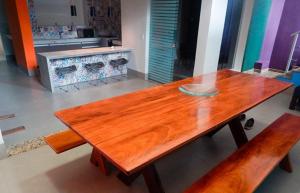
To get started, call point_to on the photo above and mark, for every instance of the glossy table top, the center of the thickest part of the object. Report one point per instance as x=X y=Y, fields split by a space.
x=136 y=129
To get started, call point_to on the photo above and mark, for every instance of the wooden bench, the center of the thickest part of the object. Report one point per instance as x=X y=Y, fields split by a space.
x=66 y=140
x=246 y=169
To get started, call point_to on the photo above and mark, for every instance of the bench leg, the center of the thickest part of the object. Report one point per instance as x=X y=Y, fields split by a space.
x=285 y=164
x=98 y=160
x=152 y=180
x=238 y=132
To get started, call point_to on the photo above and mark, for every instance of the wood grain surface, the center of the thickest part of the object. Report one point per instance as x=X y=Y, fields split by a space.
x=136 y=129
x=64 y=141
x=246 y=169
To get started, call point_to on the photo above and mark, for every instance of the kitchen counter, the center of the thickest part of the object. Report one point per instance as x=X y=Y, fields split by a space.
x=55 y=42
x=62 y=68
x=84 y=52
x=72 y=41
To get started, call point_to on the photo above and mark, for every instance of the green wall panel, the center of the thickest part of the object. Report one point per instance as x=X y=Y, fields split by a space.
x=256 y=34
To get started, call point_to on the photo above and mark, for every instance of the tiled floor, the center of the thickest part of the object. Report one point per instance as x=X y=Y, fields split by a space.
x=34 y=106
x=41 y=170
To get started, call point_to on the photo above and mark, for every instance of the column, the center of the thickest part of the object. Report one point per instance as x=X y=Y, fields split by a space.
x=212 y=19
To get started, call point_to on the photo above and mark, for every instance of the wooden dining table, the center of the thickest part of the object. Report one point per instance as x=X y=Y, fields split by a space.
x=135 y=130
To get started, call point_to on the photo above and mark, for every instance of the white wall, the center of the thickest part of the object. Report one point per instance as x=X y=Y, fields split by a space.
x=135 y=15
x=212 y=19
x=49 y=12
x=243 y=35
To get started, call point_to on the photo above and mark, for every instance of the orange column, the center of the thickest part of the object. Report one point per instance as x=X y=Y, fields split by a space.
x=20 y=29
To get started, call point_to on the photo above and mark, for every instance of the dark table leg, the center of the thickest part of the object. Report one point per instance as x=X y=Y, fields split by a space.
x=215 y=131
x=152 y=179
x=100 y=161
x=238 y=132
x=212 y=133
x=128 y=180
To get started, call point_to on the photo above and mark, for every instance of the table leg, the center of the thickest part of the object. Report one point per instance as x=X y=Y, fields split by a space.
x=97 y=159
x=152 y=180
x=212 y=133
x=215 y=131
x=238 y=132
x=128 y=180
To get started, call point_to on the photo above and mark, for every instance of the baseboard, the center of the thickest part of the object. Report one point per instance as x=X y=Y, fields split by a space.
x=2 y=58
x=276 y=70
x=30 y=73
x=249 y=71
x=131 y=72
x=3 y=153
x=261 y=70
x=1 y=138
x=10 y=58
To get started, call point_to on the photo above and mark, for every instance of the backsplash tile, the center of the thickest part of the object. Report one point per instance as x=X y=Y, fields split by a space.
x=106 y=22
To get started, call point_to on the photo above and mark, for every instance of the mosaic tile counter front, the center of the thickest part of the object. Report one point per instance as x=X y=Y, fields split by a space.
x=56 y=73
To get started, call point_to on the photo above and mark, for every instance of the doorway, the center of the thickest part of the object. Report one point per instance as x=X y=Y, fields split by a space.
x=187 y=41
x=230 y=34
x=173 y=39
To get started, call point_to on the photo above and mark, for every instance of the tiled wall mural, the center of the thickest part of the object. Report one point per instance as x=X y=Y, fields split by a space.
x=81 y=69
x=107 y=18
x=48 y=32
x=33 y=18
x=54 y=32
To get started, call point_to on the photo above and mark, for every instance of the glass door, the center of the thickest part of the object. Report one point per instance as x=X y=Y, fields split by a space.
x=163 y=38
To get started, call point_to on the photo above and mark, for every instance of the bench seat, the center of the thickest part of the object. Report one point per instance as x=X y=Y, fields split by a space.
x=64 y=141
x=246 y=169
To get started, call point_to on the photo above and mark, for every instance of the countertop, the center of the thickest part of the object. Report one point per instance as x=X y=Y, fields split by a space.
x=83 y=52
x=65 y=41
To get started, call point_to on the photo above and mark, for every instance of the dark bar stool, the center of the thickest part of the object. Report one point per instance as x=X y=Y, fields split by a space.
x=295 y=99
x=62 y=71
x=95 y=68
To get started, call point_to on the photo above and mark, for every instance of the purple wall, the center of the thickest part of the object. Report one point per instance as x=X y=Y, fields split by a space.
x=290 y=23
x=271 y=32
